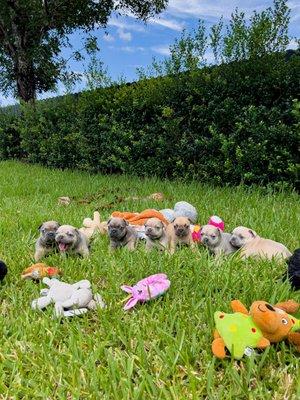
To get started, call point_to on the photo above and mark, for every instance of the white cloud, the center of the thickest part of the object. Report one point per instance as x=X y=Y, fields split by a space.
x=132 y=49
x=167 y=23
x=122 y=24
x=127 y=36
x=293 y=44
x=206 y=9
x=161 y=49
x=108 y=37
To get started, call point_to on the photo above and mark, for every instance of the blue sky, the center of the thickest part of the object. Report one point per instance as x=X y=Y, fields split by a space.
x=127 y=43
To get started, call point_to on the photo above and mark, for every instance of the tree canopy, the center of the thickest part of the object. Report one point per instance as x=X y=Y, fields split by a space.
x=32 y=33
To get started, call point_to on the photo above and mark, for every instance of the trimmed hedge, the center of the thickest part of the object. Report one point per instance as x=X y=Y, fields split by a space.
x=229 y=124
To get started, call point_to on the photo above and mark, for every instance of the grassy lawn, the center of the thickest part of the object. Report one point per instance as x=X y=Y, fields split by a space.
x=161 y=350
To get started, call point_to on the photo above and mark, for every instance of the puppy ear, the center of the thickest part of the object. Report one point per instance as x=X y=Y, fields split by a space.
x=77 y=231
x=39 y=228
x=108 y=221
x=126 y=222
x=252 y=233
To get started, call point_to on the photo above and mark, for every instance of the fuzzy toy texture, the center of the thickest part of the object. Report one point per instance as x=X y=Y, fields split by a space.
x=68 y=299
x=262 y=325
x=181 y=209
x=146 y=289
x=92 y=226
x=3 y=270
x=139 y=218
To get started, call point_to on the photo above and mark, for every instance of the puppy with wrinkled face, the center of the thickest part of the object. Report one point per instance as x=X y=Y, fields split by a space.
x=46 y=242
x=253 y=245
x=71 y=240
x=156 y=237
x=179 y=233
x=121 y=234
x=218 y=242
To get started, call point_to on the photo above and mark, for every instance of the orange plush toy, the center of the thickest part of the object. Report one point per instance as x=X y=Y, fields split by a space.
x=139 y=218
x=264 y=324
x=39 y=271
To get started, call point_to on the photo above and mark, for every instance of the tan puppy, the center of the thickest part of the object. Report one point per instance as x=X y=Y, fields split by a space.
x=156 y=237
x=179 y=232
x=46 y=242
x=71 y=240
x=121 y=234
x=253 y=245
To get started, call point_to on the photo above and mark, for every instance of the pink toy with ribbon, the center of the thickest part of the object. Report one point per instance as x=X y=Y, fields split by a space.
x=146 y=289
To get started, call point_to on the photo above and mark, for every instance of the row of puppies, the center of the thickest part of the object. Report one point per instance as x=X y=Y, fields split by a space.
x=62 y=238
x=244 y=239
x=158 y=235
x=66 y=238
x=179 y=233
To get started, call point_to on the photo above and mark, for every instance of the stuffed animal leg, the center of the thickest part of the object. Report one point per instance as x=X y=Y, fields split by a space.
x=91 y=226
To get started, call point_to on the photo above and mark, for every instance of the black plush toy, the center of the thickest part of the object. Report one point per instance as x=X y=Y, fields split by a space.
x=3 y=270
x=293 y=271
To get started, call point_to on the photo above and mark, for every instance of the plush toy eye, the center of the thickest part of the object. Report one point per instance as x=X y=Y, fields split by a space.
x=284 y=321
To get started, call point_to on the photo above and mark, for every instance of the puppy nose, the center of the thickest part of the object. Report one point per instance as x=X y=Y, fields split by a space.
x=269 y=307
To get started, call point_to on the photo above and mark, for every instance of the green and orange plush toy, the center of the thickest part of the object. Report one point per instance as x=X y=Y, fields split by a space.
x=264 y=324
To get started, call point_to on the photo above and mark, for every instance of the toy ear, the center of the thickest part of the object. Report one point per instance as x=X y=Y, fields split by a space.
x=289 y=306
x=130 y=303
x=127 y=289
x=252 y=233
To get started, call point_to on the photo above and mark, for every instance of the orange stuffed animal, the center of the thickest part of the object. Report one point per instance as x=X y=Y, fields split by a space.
x=262 y=325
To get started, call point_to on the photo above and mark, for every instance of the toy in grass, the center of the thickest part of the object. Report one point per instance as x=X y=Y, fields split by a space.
x=264 y=324
x=68 y=299
x=3 y=270
x=181 y=209
x=91 y=226
x=146 y=289
x=39 y=271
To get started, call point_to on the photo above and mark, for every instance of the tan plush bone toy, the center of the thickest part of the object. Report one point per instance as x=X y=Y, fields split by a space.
x=91 y=226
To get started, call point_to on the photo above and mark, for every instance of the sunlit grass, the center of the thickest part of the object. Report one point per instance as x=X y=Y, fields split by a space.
x=160 y=350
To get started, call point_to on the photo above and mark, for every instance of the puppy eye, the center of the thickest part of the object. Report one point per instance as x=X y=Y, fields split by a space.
x=284 y=321
x=242 y=237
x=70 y=234
x=175 y=226
x=213 y=236
x=157 y=227
x=186 y=226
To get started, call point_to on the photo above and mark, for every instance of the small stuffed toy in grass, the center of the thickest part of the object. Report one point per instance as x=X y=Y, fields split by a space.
x=3 y=270
x=146 y=289
x=92 y=226
x=264 y=324
x=39 y=271
x=68 y=299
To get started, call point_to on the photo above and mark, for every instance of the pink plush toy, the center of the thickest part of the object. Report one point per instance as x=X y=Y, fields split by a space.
x=217 y=222
x=146 y=289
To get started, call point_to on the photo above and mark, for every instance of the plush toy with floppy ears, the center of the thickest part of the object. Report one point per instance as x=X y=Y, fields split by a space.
x=146 y=289
x=262 y=325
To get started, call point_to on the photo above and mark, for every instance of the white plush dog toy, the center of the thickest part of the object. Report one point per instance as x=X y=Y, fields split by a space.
x=68 y=299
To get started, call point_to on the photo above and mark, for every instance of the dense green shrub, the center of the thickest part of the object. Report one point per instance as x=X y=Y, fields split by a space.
x=234 y=123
